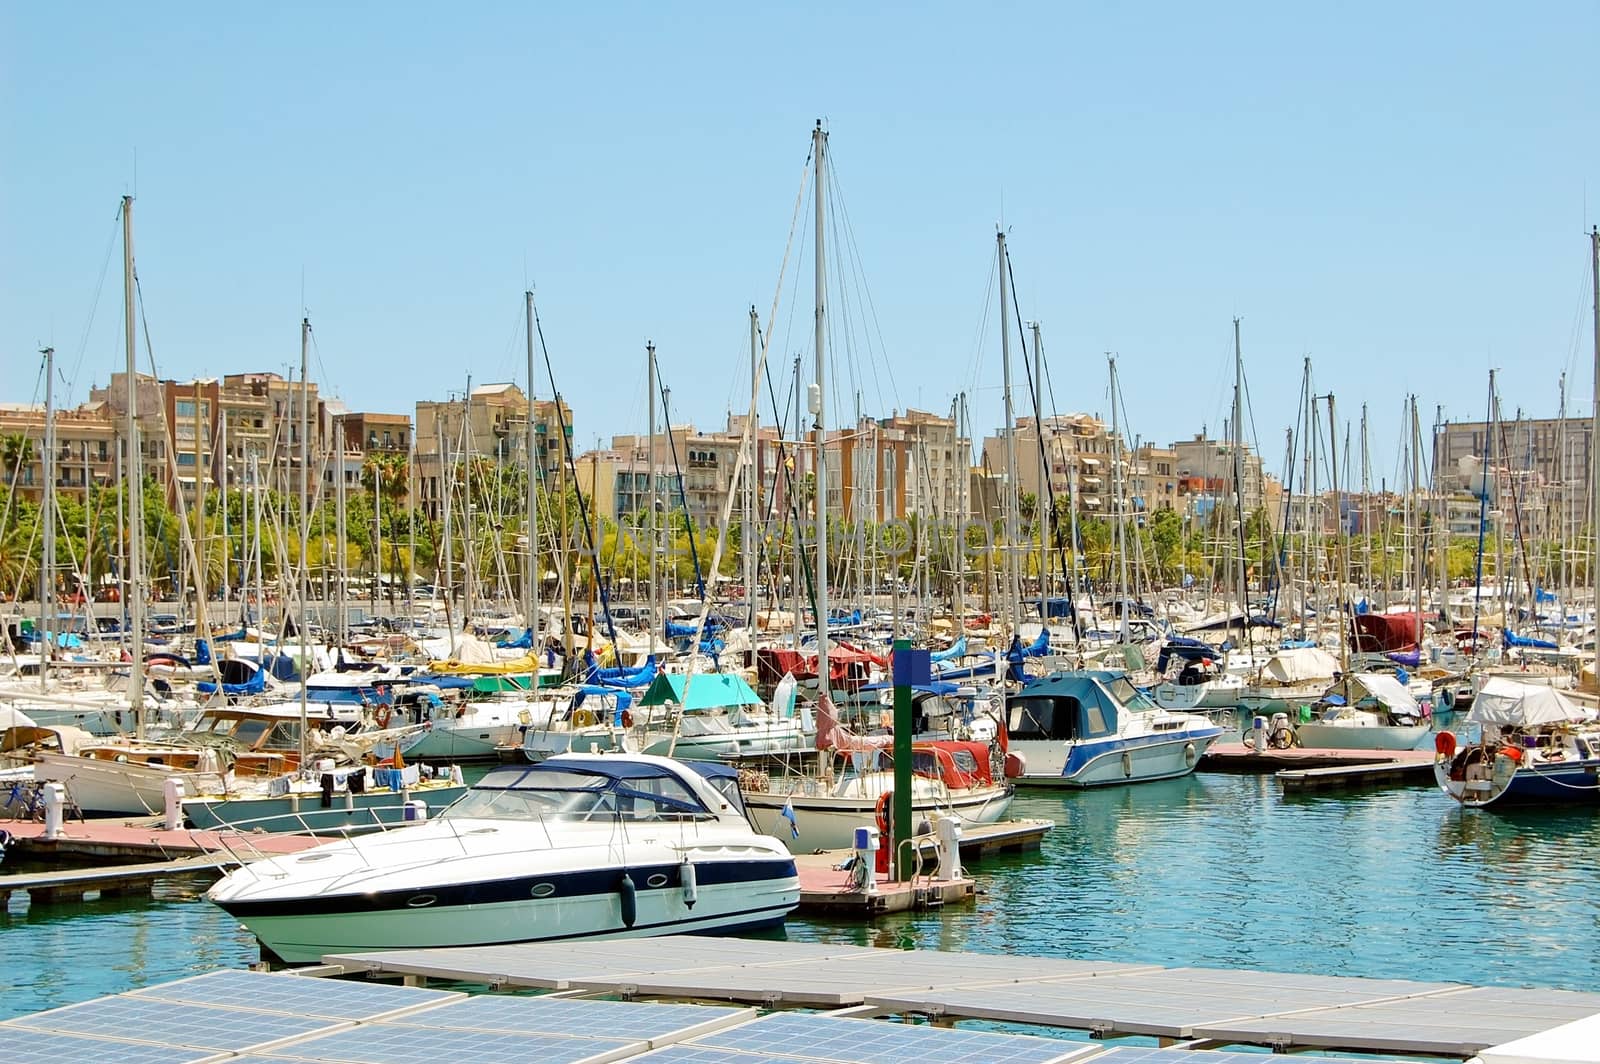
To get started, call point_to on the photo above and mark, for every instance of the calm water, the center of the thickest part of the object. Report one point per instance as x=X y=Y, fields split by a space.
x=1212 y=870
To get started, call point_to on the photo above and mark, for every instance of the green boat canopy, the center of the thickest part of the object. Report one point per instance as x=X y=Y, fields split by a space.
x=710 y=690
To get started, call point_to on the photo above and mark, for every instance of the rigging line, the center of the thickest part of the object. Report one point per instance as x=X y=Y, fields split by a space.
x=683 y=498
x=94 y=304
x=840 y=321
x=862 y=283
x=981 y=337
x=1075 y=527
x=572 y=466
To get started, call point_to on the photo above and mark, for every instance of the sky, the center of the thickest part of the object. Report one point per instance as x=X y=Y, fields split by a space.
x=1401 y=192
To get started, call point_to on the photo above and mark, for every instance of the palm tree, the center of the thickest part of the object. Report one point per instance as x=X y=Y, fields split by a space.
x=16 y=451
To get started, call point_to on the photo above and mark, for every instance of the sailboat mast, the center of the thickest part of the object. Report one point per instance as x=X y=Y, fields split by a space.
x=1594 y=429
x=305 y=522
x=658 y=618
x=1419 y=548
x=749 y=539
x=530 y=575
x=134 y=585
x=1338 y=598
x=1041 y=502
x=47 y=563
x=1119 y=530
x=819 y=153
x=1238 y=479
x=964 y=456
x=1013 y=589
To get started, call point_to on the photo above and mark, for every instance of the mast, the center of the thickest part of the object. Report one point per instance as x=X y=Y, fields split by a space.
x=530 y=582
x=305 y=522
x=47 y=562
x=1041 y=502
x=1119 y=529
x=819 y=152
x=1416 y=509
x=134 y=585
x=658 y=619
x=341 y=611
x=1594 y=431
x=1013 y=589
x=1366 y=503
x=1338 y=598
x=749 y=540
x=963 y=473
x=1238 y=479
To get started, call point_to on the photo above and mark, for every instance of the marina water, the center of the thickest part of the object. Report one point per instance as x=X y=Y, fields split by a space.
x=1211 y=870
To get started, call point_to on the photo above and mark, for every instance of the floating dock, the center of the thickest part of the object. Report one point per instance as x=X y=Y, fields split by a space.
x=1309 y=768
x=1198 y=1008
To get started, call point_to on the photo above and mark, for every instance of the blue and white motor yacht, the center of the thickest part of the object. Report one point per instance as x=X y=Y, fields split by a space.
x=578 y=846
x=1092 y=728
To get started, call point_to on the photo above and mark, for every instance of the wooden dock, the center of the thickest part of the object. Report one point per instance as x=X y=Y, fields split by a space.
x=143 y=839
x=1309 y=768
x=826 y=888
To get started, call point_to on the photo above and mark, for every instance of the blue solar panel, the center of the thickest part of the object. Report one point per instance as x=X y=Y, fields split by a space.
x=171 y=1024
x=22 y=1046
x=875 y=1042
x=566 y=1016
x=292 y=995
x=698 y=1054
x=1155 y=1055
x=387 y=1043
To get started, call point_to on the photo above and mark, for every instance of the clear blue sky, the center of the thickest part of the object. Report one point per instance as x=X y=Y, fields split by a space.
x=1400 y=191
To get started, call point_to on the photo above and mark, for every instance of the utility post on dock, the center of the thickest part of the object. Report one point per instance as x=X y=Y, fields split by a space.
x=911 y=667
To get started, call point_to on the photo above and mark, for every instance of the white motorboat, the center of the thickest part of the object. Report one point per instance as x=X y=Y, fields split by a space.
x=1090 y=728
x=578 y=846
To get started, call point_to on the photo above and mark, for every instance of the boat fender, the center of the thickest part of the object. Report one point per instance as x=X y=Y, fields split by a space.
x=627 y=722
x=583 y=718
x=1444 y=744
x=1127 y=763
x=691 y=888
x=1016 y=765
x=628 y=896
x=1190 y=754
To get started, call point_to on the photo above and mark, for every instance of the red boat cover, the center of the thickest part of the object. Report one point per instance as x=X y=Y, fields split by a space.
x=1385 y=633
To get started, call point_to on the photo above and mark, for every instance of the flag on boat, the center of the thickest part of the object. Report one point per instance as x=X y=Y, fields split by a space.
x=787 y=812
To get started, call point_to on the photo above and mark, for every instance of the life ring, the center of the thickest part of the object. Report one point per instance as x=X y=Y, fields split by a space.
x=882 y=812
x=1444 y=744
x=583 y=718
x=382 y=714
x=1127 y=763
x=627 y=719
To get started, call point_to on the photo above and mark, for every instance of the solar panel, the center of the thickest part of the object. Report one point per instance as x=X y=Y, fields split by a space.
x=332 y=999
x=385 y=1043
x=1154 y=1055
x=596 y=1019
x=698 y=1054
x=22 y=1046
x=830 y=1038
x=171 y=1024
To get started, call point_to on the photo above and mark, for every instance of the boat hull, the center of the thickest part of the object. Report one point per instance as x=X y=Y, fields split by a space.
x=826 y=822
x=1360 y=737
x=731 y=896
x=1139 y=759
x=347 y=814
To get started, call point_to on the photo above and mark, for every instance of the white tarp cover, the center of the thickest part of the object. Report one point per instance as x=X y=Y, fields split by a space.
x=1388 y=690
x=1577 y=1042
x=1522 y=705
x=1300 y=665
x=11 y=717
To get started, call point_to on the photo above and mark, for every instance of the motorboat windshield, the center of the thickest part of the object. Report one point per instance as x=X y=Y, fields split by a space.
x=1131 y=697
x=546 y=791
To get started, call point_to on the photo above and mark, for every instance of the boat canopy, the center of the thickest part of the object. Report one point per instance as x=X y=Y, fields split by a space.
x=1379 y=633
x=1387 y=690
x=1523 y=705
x=1072 y=705
x=708 y=690
x=11 y=717
x=1300 y=664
